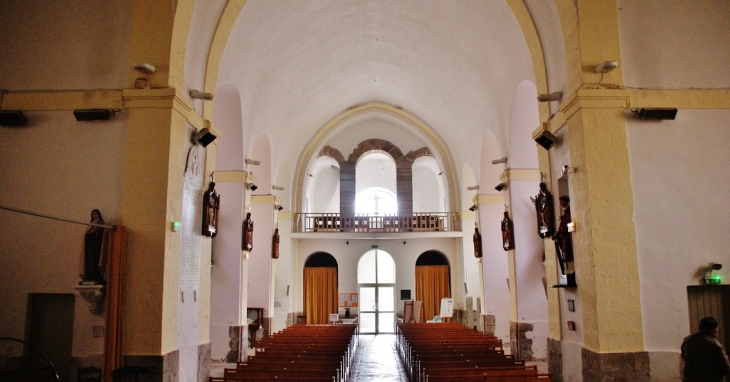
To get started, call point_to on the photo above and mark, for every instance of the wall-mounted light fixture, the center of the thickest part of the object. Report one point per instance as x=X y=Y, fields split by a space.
x=93 y=114
x=197 y=94
x=277 y=188
x=12 y=118
x=554 y=96
x=500 y=160
x=204 y=137
x=473 y=207
x=567 y=170
x=252 y=186
x=606 y=66
x=310 y=175
x=501 y=186
x=145 y=68
x=253 y=162
x=472 y=188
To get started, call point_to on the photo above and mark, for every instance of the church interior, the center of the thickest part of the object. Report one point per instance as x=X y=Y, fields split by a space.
x=182 y=179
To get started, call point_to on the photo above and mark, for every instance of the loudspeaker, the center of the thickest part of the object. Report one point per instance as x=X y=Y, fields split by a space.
x=546 y=140
x=661 y=113
x=204 y=137
x=12 y=118
x=93 y=114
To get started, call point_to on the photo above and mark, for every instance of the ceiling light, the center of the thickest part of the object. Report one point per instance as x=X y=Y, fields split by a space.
x=606 y=66
x=197 y=94
x=554 y=96
x=145 y=68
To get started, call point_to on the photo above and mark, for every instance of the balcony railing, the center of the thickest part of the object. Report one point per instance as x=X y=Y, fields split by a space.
x=420 y=222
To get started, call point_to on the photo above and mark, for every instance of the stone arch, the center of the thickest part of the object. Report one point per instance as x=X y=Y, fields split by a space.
x=332 y=153
x=376 y=144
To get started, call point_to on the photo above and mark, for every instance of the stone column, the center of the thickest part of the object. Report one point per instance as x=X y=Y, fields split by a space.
x=591 y=129
x=347 y=188
x=404 y=186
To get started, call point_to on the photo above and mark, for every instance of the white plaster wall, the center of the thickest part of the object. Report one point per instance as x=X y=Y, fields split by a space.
x=64 y=168
x=347 y=256
x=229 y=271
x=91 y=52
x=680 y=183
x=203 y=23
x=427 y=190
x=686 y=44
x=529 y=269
x=326 y=190
x=524 y=119
x=495 y=268
x=376 y=125
x=375 y=170
x=283 y=288
x=260 y=262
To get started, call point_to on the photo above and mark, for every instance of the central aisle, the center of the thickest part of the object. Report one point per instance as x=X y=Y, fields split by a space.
x=376 y=360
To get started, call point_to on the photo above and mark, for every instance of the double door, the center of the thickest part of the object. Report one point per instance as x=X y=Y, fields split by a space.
x=377 y=308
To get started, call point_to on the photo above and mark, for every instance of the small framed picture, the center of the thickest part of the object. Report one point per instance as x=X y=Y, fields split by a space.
x=571 y=305
x=98 y=331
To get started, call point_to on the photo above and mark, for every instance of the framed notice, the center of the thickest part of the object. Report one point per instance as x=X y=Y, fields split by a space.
x=348 y=300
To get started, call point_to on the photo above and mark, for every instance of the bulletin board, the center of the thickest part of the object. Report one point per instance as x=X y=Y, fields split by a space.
x=348 y=300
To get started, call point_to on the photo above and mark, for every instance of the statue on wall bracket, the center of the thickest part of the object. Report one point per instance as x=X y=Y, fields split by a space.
x=508 y=238
x=211 y=205
x=544 y=207
x=564 y=241
x=95 y=248
x=275 y=244
x=247 y=244
x=477 y=243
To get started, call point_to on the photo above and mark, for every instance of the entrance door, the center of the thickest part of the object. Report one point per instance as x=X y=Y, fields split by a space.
x=376 y=284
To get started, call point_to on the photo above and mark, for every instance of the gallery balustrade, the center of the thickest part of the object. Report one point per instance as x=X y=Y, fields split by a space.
x=418 y=222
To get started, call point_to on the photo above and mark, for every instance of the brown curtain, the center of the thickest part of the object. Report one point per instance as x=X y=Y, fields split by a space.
x=116 y=261
x=432 y=284
x=320 y=294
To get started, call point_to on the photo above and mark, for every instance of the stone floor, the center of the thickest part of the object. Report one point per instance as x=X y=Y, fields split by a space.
x=377 y=360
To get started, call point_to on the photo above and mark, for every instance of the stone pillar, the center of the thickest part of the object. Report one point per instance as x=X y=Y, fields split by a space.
x=347 y=188
x=404 y=186
x=591 y=129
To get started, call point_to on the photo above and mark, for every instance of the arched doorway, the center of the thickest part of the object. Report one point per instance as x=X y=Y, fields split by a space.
x=433 y=282
x=376 y=287
x=320 y=287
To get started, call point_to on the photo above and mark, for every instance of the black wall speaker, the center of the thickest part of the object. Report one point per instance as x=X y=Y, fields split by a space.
x=93 y=114
x=660 y=113
x=12 y=118
x=546 y=140
x=204 y=137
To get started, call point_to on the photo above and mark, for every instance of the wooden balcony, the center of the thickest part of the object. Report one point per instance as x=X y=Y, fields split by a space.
x=420 y=222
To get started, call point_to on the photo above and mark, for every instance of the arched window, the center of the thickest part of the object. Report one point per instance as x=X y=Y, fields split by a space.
x=376 y=201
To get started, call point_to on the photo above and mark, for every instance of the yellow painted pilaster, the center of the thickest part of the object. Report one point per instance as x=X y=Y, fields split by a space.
x=605 y=237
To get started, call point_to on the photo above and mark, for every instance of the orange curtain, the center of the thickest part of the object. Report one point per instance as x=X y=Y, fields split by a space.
x=320 y=294
x=116 y=261
x=432 y=284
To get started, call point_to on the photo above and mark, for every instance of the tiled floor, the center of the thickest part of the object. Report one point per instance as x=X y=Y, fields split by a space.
x=376 y=360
